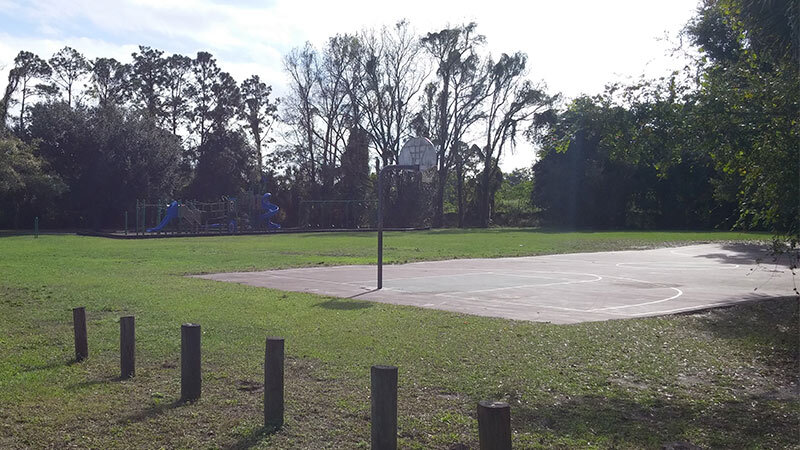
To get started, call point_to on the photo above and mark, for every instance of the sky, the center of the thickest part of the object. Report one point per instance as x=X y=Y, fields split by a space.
x=575 y=46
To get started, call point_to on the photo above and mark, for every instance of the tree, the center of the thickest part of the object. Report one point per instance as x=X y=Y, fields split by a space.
x=577 y=184
x=27 y=67
x=355 y=182
x=423 y=124
x=465 y=161
x=110 y=81
x=206 y=72
x=224 y=165
x=750 y=101
x=390 y=78
x=333 y=110
x=176 y=82
x=454 y=52
x=148 y=77
x=299 y=109
x=107 y=156
x=632 y=158
x=512 y=103
x=259 y=113
x=226 y=98
x=469 y=93
x=24 y=179
x=68 y=67
x=5 y=101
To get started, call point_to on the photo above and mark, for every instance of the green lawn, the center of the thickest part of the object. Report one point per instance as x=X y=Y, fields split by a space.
x=726 y=378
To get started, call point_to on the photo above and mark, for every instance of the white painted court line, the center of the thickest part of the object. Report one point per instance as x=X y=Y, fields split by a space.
x=679 y=293
x=522 y=286
x=489 y=303
x=655 y=283
x=387 y=277
x=520 y=275
x=592 y=310
x=394 y=277
x=676 y=266
x=684 y=308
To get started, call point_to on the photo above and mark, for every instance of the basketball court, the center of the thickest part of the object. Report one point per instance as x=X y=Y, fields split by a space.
x=562 y=289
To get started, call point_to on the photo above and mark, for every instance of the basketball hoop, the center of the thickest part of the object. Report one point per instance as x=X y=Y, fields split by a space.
x=419 y=152
x=419 y=155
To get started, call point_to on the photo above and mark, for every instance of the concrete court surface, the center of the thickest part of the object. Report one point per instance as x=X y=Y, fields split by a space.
x=568 y=288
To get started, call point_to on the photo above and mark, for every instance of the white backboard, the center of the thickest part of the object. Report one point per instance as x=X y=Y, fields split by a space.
x=418 y=152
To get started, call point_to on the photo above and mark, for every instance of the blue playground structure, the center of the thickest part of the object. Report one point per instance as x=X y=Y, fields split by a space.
x=250 y=212
x=169 y=216
x=270 y=209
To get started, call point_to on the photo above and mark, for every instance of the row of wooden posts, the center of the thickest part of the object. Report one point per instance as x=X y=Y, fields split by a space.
x=494 y=418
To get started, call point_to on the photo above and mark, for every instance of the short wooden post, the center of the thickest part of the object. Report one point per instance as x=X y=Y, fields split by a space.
x=190 y=361
x=273 y=383
x=127 y=347
x=79 y=325
x=494 y=426
x=384 y=407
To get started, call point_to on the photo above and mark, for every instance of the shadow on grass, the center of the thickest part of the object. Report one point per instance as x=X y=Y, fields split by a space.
x=657 y=423
x=773 y=325
x=153 y=411
x=252 y=438
x=343 y=304
x=756 y=416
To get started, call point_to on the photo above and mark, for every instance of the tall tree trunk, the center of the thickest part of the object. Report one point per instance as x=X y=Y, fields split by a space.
x=16 y=215
x=460 y=191
x=259 y=159
x=438 y=211
x=22 y=107
x=485 y=190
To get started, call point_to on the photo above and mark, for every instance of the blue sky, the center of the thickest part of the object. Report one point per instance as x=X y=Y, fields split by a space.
x=575 y=46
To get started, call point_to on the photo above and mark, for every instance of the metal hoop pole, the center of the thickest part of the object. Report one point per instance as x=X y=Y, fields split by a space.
x=397 y=168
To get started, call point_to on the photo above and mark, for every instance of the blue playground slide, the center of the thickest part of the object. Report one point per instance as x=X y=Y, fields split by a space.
x=172 y=213
x=270 y=209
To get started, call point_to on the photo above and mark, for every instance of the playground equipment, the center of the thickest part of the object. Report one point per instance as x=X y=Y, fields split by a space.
x=172 y=213
x=270 y=210
x=230 y=215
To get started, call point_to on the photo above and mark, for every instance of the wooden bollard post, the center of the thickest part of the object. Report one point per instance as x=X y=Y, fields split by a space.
x=127 y=347
x=384 y=407
x=190 y=361
x=494 y=426
x=79 y=325
x=273 y=383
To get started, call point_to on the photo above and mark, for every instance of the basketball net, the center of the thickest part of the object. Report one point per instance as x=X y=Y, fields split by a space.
x=428 y=175
x=415 y=155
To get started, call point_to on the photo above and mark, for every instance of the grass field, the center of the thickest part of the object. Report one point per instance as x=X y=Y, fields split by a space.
x=725 y=378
